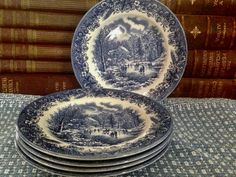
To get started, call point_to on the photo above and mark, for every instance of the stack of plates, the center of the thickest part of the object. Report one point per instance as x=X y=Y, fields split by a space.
x=125 y=54
x=99 y=133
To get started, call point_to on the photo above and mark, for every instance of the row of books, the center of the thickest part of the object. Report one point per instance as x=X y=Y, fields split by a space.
x=35 y=41
x=202 y=31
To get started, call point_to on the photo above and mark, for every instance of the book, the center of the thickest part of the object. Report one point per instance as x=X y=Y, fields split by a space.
x=209 y=32
x=37 y=84
x=37 y=51
x=211 y=64
x=32 y=66
x=31 y=36
x=49 y=5
x=39 y=20
x=202 y=7
x=205 y=88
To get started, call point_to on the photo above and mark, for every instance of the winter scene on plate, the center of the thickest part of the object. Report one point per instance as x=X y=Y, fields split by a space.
x=129 y=52
x=95 y=124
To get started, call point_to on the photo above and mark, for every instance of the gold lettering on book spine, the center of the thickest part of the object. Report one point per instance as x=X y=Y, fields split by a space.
x=31 y=36
x=25 y=4
x=217 y=64
x=210 y=63
x=30 y=66
x=233 y=35
x=10 y=86
x=32 y=51
x=223 y=63
x=4 y=85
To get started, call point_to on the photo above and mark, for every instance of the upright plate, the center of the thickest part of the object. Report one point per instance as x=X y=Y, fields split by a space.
x=135 y=45
x=98 y=125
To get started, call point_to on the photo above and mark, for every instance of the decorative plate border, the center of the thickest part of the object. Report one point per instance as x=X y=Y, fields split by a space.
x=152 y=8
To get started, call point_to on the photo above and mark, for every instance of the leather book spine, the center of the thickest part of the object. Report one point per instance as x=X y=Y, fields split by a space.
x=36 y=84
x=33 y=36
x=205 y=88
x=211 y=64
x=49 y=5
x=202 y=7
x=32 y=66
x=28 y=51
x=209 y=32
x=38 y=19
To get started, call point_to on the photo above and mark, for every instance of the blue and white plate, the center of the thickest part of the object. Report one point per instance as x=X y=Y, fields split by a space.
x=133 y=45
x=97 y=125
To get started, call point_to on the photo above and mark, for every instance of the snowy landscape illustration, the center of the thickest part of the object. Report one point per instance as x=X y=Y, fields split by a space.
x=95 y=125
x=129 y=52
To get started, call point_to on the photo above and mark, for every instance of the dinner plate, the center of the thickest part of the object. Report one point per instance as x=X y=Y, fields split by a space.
x=87 y=169
x=105 y=163
x=135 y=45
x=98 y=125
x=61 y=172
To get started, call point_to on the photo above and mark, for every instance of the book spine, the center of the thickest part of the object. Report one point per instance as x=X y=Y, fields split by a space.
x=202 y=7
x=35 y=19
x=31 y=66
x=205 y=88
x=36 y=84
x=211 y=64
x=209 y=32
x=21 y=35
x=45 y=5
x=27 y=51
